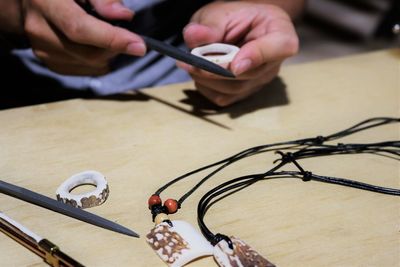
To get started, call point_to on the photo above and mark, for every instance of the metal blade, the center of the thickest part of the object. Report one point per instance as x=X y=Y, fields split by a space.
x=57 y=206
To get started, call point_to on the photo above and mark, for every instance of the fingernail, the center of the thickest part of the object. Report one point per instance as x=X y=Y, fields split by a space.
x=221 y=101
x=121 y=8
x=187 y=26
x=136 y=49
x=184 y=66
x=242 y=66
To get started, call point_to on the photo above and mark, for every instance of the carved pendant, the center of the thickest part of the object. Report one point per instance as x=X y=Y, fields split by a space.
x=179 y=244
x=242 y=255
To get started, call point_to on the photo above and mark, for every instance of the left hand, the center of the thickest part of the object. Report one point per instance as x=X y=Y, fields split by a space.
x=265 y=34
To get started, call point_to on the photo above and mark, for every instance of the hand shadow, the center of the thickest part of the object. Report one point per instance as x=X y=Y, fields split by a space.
x=272 y=95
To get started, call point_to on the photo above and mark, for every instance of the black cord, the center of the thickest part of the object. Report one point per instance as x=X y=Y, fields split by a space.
x=237 y=184
x=304 y=148
x=234 y=185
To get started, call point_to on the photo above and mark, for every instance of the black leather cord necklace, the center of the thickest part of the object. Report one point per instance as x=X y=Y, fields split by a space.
x=160 y=238
x=236 y=184
x=303 y=147
x=234 y=247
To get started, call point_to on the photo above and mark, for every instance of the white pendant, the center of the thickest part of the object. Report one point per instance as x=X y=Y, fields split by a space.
x=242 y=255
x=179 y=244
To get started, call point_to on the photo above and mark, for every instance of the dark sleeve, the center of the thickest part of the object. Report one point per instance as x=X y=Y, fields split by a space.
x=9 y=41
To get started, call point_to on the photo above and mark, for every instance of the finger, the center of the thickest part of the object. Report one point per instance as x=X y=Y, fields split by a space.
x=76 y=69
x=223 y=100
x=211 y=25
x=259 y=72
x=45 y=38
x=55 y=57
x=223 y=87
x=112 y=9
x=236 y=98
x=199 y=72
x=82 y=28
x=196 y=34
x=67 y=65
x=87 y=55
x=250 y=74
x=215 y=97
x=275 y=45
x=237 y=87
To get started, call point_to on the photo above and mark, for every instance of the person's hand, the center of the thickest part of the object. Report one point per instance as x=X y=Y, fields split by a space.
x=265 y=35
x=69 y=41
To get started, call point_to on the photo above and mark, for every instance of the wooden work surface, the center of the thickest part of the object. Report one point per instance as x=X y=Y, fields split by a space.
x=141 y=141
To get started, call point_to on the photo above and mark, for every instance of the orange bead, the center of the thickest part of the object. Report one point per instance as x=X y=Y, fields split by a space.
x=154 y=200
x=171 y=205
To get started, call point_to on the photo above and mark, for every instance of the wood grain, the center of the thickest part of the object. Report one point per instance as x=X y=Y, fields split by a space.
x=140 y=141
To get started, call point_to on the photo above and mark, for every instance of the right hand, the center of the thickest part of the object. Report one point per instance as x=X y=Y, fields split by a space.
x=70 y=41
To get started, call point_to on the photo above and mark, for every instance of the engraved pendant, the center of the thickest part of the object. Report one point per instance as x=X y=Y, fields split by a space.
x=179 y=244
x=242 y=255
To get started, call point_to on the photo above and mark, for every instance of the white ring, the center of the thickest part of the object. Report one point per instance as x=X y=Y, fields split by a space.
x=86 y=200
x=228 y=52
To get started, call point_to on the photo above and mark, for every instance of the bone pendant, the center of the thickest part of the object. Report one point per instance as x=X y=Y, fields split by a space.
x=179 y=244
x=242 y=255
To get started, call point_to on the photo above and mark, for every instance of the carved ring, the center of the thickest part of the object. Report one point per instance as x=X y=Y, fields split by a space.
x=88 y=199
x=217 y=53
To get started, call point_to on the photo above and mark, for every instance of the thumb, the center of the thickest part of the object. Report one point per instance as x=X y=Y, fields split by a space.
x=112 y=9
x=196 y=34
x=273 y=46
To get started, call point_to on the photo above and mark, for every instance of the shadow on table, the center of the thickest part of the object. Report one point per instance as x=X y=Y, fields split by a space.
x=274 y=94
x=33 y=89
x=141 y=96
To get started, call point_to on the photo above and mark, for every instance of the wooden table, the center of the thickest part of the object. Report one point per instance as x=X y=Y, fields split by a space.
x=140 y=141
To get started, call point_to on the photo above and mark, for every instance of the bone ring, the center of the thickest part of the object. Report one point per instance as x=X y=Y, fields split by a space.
x=88 y=199
x=217 y=53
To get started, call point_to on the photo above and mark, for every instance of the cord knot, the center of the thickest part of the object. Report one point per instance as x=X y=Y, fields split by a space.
x=319 y=140
x=157 y=209
x=285 y=157
x=219 y=237
x=345 y=147
x=307 y=176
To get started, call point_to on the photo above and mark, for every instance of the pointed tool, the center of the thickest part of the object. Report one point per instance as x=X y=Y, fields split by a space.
x=57 y=206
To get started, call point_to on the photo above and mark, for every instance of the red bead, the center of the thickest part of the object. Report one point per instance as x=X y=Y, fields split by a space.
x=154 y=200
x=171 y=205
